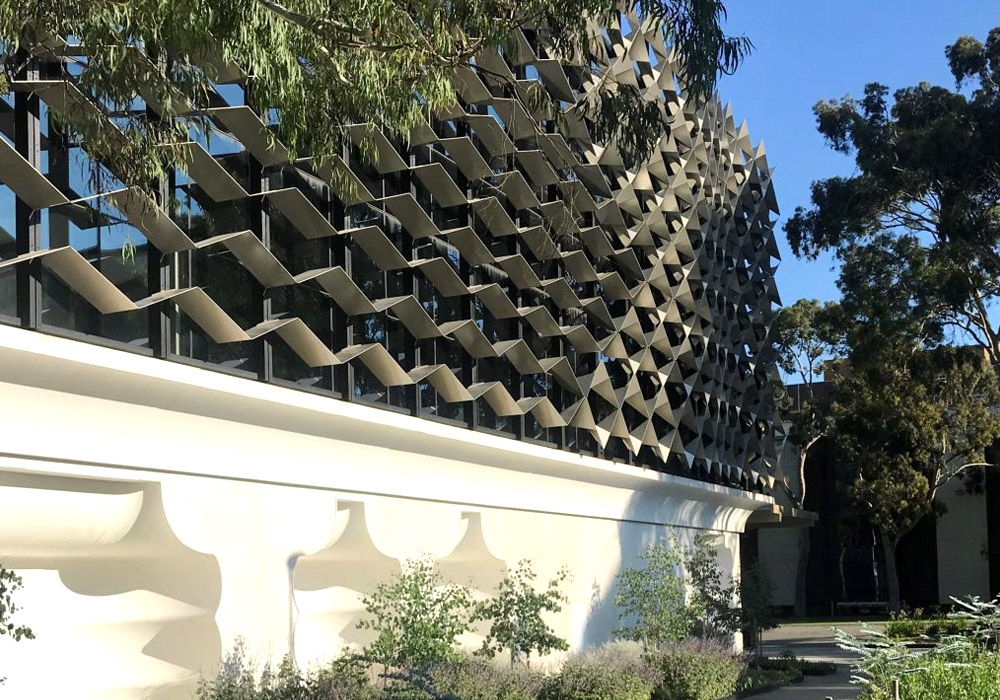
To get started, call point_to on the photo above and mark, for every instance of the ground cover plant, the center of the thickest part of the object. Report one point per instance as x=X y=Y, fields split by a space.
x=764 y=673
x=806 y=668
x=914 y=626
x=962 y=666
x=757 y=680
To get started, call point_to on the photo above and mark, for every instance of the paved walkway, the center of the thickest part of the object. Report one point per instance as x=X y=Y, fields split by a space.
x=815 y=643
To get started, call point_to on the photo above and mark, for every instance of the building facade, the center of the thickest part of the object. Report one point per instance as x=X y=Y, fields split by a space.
x=953 y=554
x=229 y=407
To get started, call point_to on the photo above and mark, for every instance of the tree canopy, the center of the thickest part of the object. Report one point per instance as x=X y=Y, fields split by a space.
x=921 y=215
x=908 y=425
x=807 y=335
x=316 y=66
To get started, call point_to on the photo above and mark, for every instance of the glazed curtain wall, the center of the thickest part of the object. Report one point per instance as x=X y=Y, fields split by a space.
x=499 y=270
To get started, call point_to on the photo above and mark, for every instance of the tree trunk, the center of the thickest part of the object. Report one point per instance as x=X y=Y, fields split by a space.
x=891 y=575
x=801 y=573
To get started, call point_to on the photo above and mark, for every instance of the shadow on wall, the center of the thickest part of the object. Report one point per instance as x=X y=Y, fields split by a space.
x=638 y=530
x=129 y=610
x=328 y=584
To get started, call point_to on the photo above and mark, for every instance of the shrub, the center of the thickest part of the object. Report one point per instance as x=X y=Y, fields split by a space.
x=756 y=679
x=815 y=668
x=653 y=600
x=960 y=667
x=807 y=668
x=346 y=678
x=903 y=626
x=696 y=671
x=417 y=616
x=614 y=672
x=755 y=605
x=242 y=678
x=479 y=679
x=711 y=601
x=624 y=657
x=515 y=612
x=963 y=676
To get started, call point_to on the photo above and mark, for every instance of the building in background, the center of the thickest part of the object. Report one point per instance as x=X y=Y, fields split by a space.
x=230 y=407
x=956 y=554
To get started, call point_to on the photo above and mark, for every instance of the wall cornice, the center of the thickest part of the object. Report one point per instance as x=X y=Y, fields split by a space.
x=187 y=410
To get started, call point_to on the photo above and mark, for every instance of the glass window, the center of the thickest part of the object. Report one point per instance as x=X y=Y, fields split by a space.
x=8 y=250
x=99 y=232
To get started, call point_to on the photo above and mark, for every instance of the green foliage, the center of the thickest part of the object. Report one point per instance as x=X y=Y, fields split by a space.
x=478 y=679
x=980 y=620
x=319 y=65
x=962 y=676
x=767 y=673
x=807 y=336
x=815 y=668
x=11 y=583
x=917 y=228
x=653 y=599
x=242 y=678
x=907 y=443
x=806 y=668
x=710 y=601
x=756 y=679
x=956 y=668
x=417 y=616
x=625 y=657
x=515 y=611
x=963 y=666
x=917 y=225
x=904 y=625
x=756 y=600
x=600 y=676
x=696 y=671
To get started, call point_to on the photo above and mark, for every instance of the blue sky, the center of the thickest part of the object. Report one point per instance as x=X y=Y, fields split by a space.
x=807 y=50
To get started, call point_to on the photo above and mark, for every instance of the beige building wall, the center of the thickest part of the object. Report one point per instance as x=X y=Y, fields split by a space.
x=963 y=568
x=157 y=512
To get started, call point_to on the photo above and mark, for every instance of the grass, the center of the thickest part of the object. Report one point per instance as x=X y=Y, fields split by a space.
x=832 y=621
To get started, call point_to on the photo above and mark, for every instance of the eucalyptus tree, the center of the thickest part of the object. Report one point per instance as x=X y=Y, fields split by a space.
x=908 y=425
x=917 y=228
x=11 y=583
x=808 y=335
x=318 y=65
x=924 y=198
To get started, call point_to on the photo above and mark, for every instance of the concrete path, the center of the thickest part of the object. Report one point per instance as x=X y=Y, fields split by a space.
x=815 y=643
x=834 y=686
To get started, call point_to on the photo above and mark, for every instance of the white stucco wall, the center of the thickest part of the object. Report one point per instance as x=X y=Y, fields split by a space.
x=158 y=511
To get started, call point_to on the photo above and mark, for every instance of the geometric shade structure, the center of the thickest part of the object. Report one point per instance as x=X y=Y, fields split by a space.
x=523 y=265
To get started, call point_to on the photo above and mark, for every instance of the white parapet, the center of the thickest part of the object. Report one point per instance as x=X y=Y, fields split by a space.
x=158 y=511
